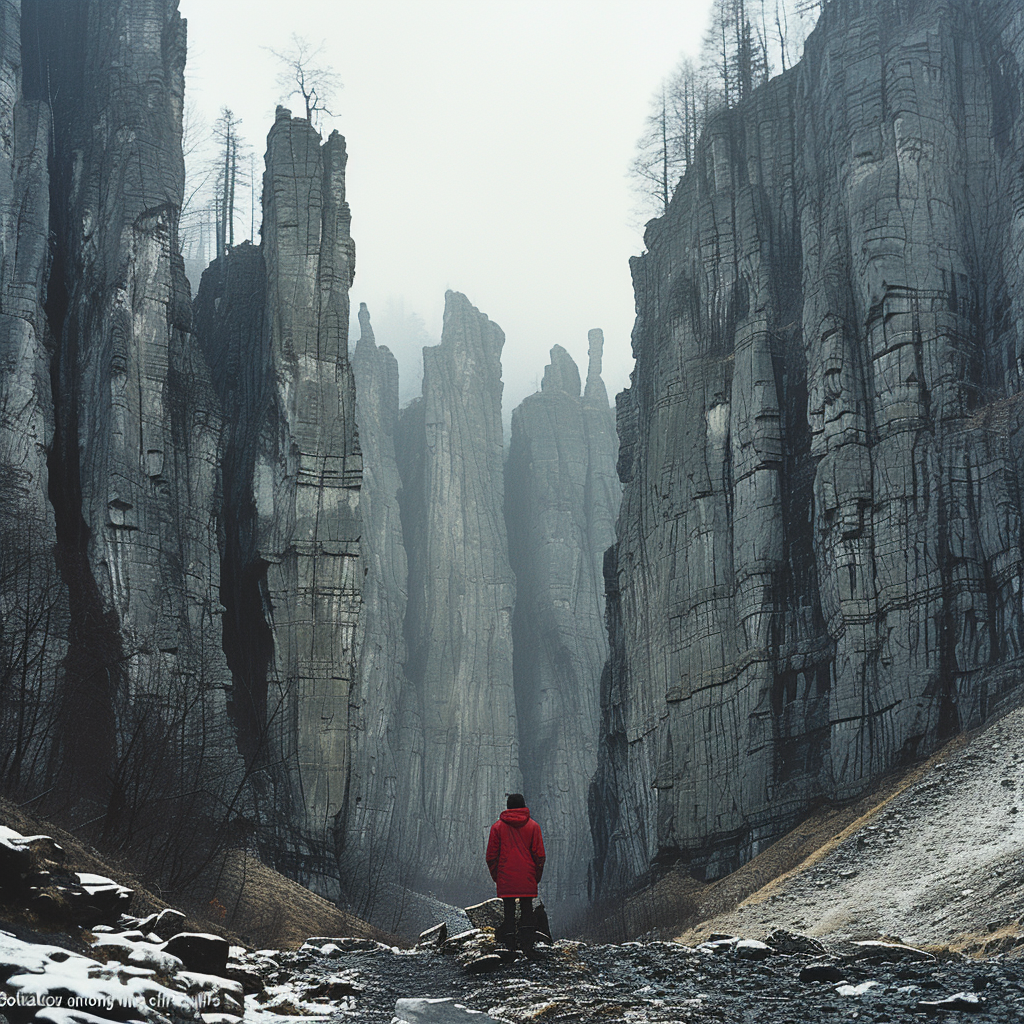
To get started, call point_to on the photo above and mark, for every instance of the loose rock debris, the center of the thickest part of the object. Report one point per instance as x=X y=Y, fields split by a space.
x=147 y=971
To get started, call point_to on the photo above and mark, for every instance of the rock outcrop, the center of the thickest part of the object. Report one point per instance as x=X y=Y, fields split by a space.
x=819 y=556
x=274 y=325
x=461 y=596
x=561 y=498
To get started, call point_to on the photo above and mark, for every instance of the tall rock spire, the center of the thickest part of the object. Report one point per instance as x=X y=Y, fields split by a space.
x=291 y=484
x=461 y=595
x=384 y=723
x=561 y=498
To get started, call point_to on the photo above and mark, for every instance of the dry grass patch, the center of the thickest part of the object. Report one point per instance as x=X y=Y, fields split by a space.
x=240 y=898
x=268 y=909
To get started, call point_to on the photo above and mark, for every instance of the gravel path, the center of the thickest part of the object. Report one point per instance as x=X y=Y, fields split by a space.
x=668 y=982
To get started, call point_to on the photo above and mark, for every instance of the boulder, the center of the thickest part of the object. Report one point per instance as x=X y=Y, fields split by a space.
x=488 y=914
x=434 y=936
x=784 y=941
x=438 y=1011
x=200 y=952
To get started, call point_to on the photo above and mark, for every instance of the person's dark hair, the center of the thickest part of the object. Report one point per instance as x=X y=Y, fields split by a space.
x=515 y=800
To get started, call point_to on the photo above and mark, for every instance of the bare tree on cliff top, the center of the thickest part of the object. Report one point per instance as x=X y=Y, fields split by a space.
x=666 y=148
x=226 y=132
x=305 y=73
x=739 y=53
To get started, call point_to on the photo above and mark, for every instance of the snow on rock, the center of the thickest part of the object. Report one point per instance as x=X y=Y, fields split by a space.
x=211 y=994
x=71 y=985
x=437 y=1011
x=286 y=999
x=137 y=951
x=94 y=884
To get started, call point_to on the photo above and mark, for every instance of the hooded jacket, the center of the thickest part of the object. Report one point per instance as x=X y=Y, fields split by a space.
x=515 y=853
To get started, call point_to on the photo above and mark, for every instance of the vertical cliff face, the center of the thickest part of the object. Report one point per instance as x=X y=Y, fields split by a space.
x=561 y=498
x=307 y=489
x=819 y=549
x=385 y=732
x=461 y=595
x=132 y=474
x=273 y=323
x=33 y=600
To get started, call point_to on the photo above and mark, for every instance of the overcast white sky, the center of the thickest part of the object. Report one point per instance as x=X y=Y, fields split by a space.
x=488 y=144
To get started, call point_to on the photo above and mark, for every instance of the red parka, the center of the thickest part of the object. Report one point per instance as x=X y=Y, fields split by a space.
x=515 y=853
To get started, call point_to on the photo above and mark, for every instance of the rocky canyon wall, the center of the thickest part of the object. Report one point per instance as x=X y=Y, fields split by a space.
x=154 y=467
x=31 y=591
x=818 y=567
x=273 y=323
x=100 y=352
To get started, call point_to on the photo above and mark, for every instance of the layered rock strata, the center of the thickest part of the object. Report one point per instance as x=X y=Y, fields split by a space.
x=461 y=596
x=818 y=567
x=133 y=465
x=33 y=600
x=561 y=498
x=274 y=325
x=385 y=724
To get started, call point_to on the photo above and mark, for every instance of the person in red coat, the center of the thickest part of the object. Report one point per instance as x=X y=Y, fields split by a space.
x=515 y=859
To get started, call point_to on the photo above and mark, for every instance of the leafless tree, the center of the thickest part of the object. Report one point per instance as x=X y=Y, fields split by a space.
x=735 y=50
x=666 y=148
x=305 y=72
x=33 y=618
x=226 y=133
x=739 y=53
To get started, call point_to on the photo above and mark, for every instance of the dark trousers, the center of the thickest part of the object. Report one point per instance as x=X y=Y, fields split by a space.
x=526 y=931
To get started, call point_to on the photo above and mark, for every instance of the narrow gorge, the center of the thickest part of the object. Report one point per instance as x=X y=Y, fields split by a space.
x=249 y=601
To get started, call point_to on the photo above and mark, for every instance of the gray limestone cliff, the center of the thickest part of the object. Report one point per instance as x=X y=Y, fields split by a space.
x=461 y=596
x=132 y=466
x=31 y=591
x=561 y=498
x=385 y=726
x=819 y=559
x=273 y=323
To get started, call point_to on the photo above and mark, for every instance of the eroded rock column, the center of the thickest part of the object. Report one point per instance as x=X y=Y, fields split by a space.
x=307 y=489
x=461 y=596
x=561 y=499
